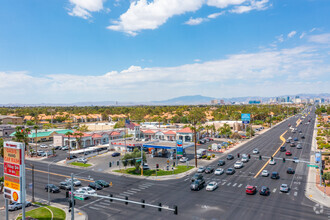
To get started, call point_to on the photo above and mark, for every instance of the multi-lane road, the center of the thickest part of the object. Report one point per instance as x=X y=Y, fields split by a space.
x=229 y=201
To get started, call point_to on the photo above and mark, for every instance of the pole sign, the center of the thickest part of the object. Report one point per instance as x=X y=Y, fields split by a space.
x=179 y=148
x=14 y=168
x=245 y=117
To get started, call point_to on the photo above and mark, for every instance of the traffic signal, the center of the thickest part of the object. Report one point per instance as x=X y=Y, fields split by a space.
x=260 y=157
x=174 y=163
x=271 y=158
x=143 y=206
x=283 y=160
x=66 y=194
x=126 y=197
x=321 y=172
x=118 y=163
x=111 y=200
x=175 y=210
x=238 y=155
x=157 y=165
x=249 y=156
x=160 y=207
x=110 y=164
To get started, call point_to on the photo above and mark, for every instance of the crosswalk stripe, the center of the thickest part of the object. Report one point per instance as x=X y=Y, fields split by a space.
x=295 y=193
x=135 y=189
x=234 y=184
x=102 y=206
x=128 y=193
x=228 y=184
x=131 y=191
x=91 y=207
x=274 y=190
x=223 y=183
x=240 y=185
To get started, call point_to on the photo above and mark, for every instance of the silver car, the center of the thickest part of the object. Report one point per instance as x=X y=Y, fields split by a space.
x=284 y=188
x=15 y=205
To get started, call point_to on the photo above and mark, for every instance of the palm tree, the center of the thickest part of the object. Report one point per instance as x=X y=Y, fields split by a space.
x=69 y=133
x=35 y=127
x=1 y=147
x=21 y=135
x=78 y=136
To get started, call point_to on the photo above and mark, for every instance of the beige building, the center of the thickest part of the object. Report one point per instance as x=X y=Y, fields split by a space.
x=6 y=119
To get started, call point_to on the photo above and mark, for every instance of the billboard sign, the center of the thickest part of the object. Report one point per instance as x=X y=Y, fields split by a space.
x=14 y=168
x=245 y=117
x=179 y=148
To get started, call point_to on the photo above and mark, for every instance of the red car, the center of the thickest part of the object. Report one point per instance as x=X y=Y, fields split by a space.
x=288 y=153
x=251 y=190
x=289 y=125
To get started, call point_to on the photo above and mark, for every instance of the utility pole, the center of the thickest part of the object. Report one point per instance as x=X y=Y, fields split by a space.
x=141 y=160
x=72 y=198
x=32 y=182
x=7 y=217
x=195 y=146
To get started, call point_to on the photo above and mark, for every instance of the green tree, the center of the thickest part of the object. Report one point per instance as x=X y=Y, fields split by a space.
x=1 y=147
x=36 y=127
x=2 y=180
x=225 y=130
x=29 y=123
x=83 y=128
x=196 y=116
x=130 y=159
x=68 y=125
x=78 y=136
x=69 y=134
x=326 y=176
x=120 y=124
x=21 y=135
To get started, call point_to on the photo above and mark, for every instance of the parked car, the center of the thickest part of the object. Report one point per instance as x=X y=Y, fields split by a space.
x=284 y=188
x=230 y=157
x=15 y=205
x=219 y=171
x=292 y=144
x=201 y=170
x=209 y=170
x=250 y=190
x=275 y=175
x=82 y=160
x=39 y=152
x=184 y=159
x=65 y=185
x=302 y=136
x=145 y=166
x=265 y=173
x=221 y=162
x=43 y=146
x=197 y=185
x=115 y=154
x=290 y=171
x=52 y=188
x=47 y=154
x=64 y=148
x=72 y=156
x=95 y=186
x=255 y=151
x=102 y=183
x=211 y=186
x=238 y=164
x=264 y=190
x=230 y=171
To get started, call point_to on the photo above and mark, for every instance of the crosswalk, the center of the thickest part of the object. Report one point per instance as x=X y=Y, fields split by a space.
x=104 y=204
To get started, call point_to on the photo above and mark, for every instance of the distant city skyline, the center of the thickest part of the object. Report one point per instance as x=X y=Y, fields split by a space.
x=68 y=51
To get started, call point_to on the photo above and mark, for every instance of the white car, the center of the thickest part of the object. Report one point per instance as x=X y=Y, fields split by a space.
x=272 y=162
x=219 y=171
x=245 y=159
x=255 y=151
x=284 y=188
x=184 y=159
x=80 y=196
x=265 y=173
x=75 y=181
x=88 y=190
x=238 y=165
x=211 y=186
x=43 y=146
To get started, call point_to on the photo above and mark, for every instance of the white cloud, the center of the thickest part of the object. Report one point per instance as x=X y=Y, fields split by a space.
x=280 y=38
x=291 y=34
x=320 y=38
x=195 y=21
x=82 y=8
x=149 y=15
x=302 y=35
x=279 y=67
x=251 y=5
x=143 y=15
x=197 y=60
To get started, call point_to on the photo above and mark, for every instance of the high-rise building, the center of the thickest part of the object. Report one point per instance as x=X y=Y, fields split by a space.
x=214 y=102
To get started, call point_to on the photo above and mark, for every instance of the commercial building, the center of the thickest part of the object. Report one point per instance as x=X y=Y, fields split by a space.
x=7 y=119
x=6 y=130
x=44 y=135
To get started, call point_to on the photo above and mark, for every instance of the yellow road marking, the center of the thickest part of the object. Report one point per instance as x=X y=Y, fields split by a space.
x=55 y=174
x=298 y=121
x=283 y=141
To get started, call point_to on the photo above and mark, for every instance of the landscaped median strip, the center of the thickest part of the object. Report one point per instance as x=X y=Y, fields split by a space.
x=81 y=164
x=283 y=142
x=45 y=212
x=177 y=170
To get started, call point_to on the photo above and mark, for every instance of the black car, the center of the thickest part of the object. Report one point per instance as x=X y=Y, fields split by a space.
x=275 y=175
x=264 y=191
x=221 y=162
x=230 y=157
x=102 y=183
x=52 y=188
x=230 y=171
x=290 y=170
x=292 y=144
x=300 y=131
x=302 y=136
x=65 y=185
x=72 y=156
x=197 y=176
x=197 y=185
x=115 y=154
x=209 y=170
x=282 y=149
x=95 y=186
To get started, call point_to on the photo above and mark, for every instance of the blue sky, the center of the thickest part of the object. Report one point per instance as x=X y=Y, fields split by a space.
x=62 y=51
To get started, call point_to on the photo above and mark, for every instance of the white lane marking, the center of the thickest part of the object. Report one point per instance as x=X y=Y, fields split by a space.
x=228 y=184
x=147 y=184
x=223 y=183
x=234 y=184
x=274 y=190
x=90 y=203
x=94 y=208
x=295 y=193
x=186 y=179
x=240 y=185
x=135 y=189
x=142 y=188
x=102 y=206
x=129 y=193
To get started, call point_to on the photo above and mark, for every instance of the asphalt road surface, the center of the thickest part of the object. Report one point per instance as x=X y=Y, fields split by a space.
x=229 y=201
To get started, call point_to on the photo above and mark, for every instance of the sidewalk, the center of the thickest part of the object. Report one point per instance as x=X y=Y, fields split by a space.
x=312 y=191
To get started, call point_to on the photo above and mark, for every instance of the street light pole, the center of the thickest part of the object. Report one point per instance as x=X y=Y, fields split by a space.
x=72 y=198
x=32 y=165
x=48 y=182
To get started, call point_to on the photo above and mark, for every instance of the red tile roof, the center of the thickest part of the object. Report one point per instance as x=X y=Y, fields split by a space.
x=115 y=133
x=185 y=130
x=149 y=132
x=74 y=134
x=170 y=132
x=96 y=136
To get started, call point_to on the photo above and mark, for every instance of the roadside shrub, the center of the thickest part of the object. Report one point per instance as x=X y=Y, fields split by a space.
x=326 y=158
x=326 y=168
x=204 y=156
x=208 y=158
x=213 y=155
